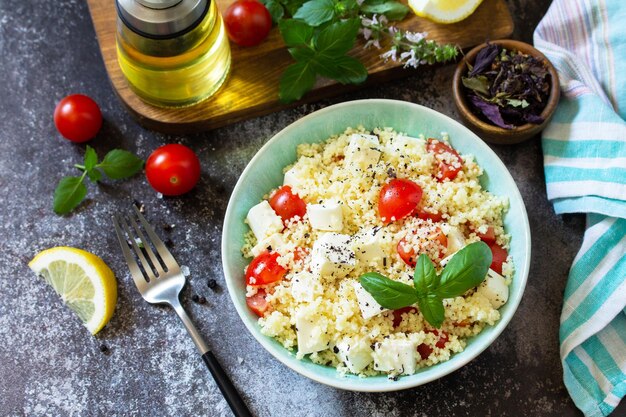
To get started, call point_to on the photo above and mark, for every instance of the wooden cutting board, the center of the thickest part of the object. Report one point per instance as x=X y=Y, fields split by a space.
x=252 y=87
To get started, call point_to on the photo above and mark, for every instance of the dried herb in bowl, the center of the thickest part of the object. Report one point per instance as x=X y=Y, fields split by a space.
x=506 y=87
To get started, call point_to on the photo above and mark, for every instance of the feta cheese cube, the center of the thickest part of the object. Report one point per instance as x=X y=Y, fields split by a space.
x=305 y=286
x=456 y=239
x=407 y=145
x=369 y=307
x=326 y=216
x=264 y=221
x=355 y=353
x=397 y=356
x=311 y=334
x=331 y=256
x=494 y=288
x=368 y=245
x=362 y=152
x=292 y=178
x=273 y=243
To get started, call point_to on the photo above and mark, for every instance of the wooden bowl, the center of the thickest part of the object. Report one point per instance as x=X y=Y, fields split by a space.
x=496 y=134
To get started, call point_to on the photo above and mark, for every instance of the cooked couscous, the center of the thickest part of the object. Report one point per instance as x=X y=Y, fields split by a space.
x=372 y=202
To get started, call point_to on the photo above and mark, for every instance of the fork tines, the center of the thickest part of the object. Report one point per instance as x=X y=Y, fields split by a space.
x=151 y=265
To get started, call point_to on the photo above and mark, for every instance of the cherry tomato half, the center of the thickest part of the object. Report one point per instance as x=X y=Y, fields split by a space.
x=398 y=199
x=78 y=118
x=434 y=216
x=449 y=161
x=489 y=237
x=287 y=204
x=258 y=303
x=264 y=269
x=247 y=22
x=173 y=169
x=409 y=254
x=499 y=257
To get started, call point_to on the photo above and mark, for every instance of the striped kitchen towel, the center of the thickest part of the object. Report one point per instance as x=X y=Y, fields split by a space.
x=585 y=166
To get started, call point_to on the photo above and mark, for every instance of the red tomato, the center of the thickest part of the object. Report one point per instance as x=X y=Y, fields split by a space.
x=264 y=269
x=424 y=350
x=398 y=198
x=258 y=303
x=434 y=216
x=77 y=118
x=173 y=169
x=488 y=237
x=287 y=204
x=247 y=22
x=499 y=257
x=397 y=314
x=450 y=163
x=410 y=254
x=300 y=253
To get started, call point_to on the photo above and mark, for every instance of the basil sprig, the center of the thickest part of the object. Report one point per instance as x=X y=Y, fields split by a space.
x=117 y=164
x=466 y=270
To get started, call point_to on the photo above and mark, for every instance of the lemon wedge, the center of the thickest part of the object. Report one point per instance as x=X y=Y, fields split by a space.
x=444 y=11
x=84 y=282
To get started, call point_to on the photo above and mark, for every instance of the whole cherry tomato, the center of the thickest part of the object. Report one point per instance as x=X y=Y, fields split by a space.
x=398 y=198
x=77 y=118
x=264 y=269
x=287 y=204
x=247 y=22
x=449 y=161
x=173 y=169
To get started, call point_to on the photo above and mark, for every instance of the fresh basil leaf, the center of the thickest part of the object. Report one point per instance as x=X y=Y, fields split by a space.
x=292 y=6
x=337 y=38
x=345 y=69
x=91 y=158
x=297 y=79
x=69 y=193
x=316 y=12
x=393 y=10
x=94 y=175
x=467 y=268
x=295 y=32
x=119 y=164
x=432 y=309
x=302 y=54
x=388 y=293
x=275 y=8
x=426 y=279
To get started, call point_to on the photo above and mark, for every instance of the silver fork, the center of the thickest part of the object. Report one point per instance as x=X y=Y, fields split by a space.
x=160 y=282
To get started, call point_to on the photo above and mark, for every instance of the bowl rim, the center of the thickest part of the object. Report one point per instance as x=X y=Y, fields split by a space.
x=408 y=381
x=461 y=102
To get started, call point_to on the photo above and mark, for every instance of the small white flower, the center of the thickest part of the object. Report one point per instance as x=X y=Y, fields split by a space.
x=359 y=2
x=411 y=61
x=366 y=32
x=414 y=37
x=390 y=54
x=383 y=19
x=392 y=30
x=367 y=22
x=371 y=42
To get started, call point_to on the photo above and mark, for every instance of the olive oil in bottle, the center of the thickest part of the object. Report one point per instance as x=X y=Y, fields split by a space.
x=172 y=52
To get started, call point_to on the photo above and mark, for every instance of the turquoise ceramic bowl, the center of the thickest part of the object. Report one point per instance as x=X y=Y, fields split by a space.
x=264 y=172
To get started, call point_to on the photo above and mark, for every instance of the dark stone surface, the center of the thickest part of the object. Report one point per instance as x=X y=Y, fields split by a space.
x=50 y=365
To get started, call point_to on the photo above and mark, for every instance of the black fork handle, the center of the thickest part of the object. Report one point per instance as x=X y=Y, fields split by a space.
x=230 y=393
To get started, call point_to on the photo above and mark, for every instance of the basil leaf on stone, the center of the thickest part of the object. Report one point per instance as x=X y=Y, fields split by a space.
x=466 y=270
x=388 y=293
x=119 y=164
x=69 y=193
x=91 y=158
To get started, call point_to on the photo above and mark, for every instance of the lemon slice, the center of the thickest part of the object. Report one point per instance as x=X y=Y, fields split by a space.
x=84 y=282
x=444 y=11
